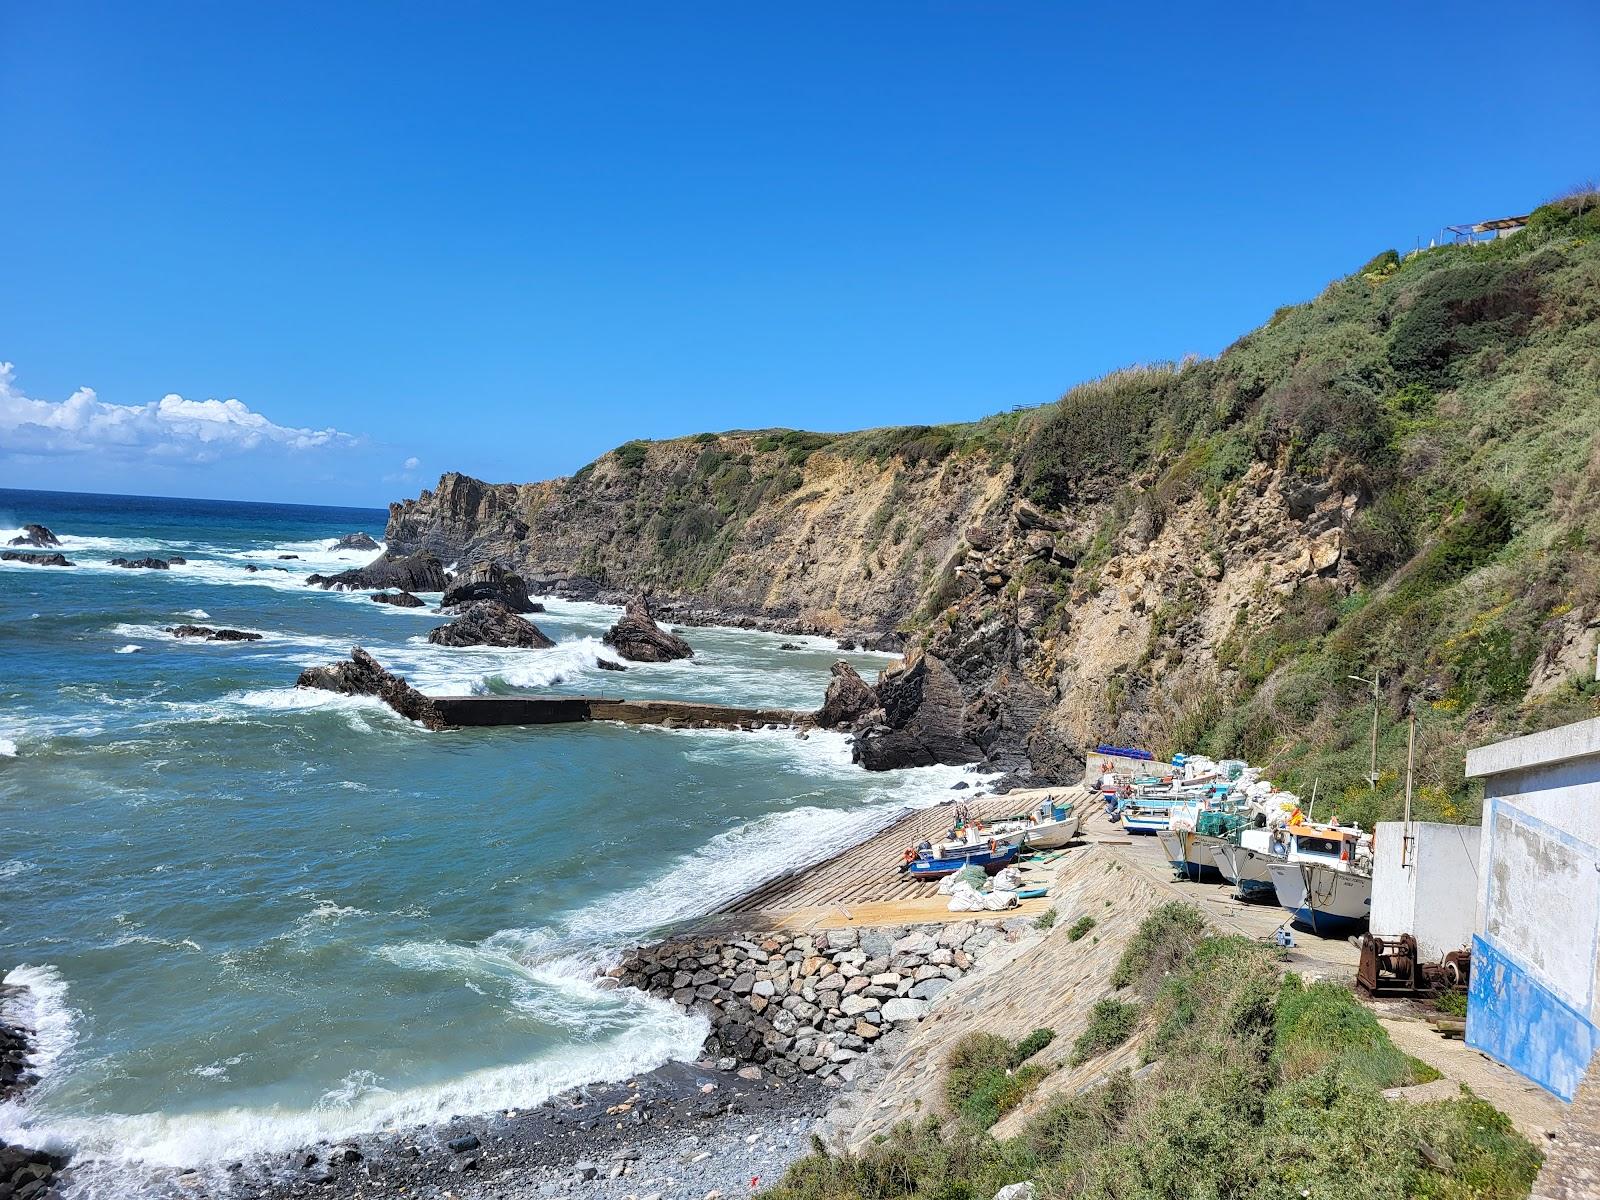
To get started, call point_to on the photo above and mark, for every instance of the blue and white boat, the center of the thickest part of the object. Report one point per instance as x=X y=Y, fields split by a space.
x=1325 y=880
x=990 y=857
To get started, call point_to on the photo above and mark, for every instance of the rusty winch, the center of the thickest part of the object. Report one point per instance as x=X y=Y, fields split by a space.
x=1392 y=966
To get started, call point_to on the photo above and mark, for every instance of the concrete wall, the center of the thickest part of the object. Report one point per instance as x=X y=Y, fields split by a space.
x=1428 y=889
x=1535 y=997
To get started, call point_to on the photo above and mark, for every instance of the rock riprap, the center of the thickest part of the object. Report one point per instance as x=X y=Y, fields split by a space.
x=363 y=675
x=809 y=1003
x=35 y=535
x=638 y=638
x=489 y=581
x=205 y=633
x=360 y=540
x=36 y=560
x=490 y=623
x=419 y=572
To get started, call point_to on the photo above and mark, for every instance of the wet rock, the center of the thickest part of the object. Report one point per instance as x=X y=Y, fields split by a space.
x=847 y=699
x=205 y=633
x=364 y=676
x=464 y=1143
x=490 y=623
x=489 y=581
x=398 y=599
x=921 y=722
x=360 y=540
x=36 y=560
x=143 y=564
x=35 y=535
x=638 y=638
x=287 y=557
x=605 y=664
x=419 y=572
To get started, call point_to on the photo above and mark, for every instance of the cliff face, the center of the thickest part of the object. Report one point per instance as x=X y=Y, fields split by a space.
x=1401 y=476
x=729 y=527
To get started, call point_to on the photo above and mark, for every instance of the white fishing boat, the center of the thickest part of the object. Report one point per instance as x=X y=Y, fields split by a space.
x=1049 y=824
x=1190 y=853
x=1247 y=865
x=1325 y=880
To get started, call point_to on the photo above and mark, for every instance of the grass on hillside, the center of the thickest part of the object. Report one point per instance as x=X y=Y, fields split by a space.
x=1261 y=1088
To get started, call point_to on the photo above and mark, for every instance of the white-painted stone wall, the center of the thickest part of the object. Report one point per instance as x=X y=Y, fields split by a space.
x=1535 y=999
x=1427 y=888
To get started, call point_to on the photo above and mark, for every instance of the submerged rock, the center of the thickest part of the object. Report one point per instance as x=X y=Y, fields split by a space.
x=848 y=698
x=35 y=535
x=36 y=560
x=398 y=599
x=360 y=540
x=637 y=637
x=206 y=633
x=489 y=581
x=145 y=564
x=490 y=623
x=363 y=675
x=419 y=572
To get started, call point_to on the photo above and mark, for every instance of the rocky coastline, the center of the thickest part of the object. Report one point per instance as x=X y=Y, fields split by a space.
x=25 y=1174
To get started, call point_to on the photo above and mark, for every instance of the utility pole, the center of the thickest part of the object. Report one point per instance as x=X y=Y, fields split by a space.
x=1411 y=756
x=1372 y=771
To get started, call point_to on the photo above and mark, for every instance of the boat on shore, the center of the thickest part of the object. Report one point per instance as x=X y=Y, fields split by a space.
x=1325 y=879
x=989 y=857
x=1247 y=864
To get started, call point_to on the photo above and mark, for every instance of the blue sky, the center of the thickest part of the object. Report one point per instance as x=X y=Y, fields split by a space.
x=503 y=238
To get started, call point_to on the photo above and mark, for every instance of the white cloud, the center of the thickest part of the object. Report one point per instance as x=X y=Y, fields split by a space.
x=171 y=429
x=413 y=463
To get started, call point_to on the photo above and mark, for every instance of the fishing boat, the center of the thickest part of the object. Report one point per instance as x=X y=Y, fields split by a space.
x=1247 y=864
x=1325 y=878
x=1190 y=854
x=1051 y=824
x=990 y=857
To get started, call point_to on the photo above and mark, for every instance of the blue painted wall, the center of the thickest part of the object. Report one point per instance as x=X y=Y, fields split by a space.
x=1514 y=1018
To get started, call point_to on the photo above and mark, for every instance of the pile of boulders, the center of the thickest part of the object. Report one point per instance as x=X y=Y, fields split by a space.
x=809 y=1003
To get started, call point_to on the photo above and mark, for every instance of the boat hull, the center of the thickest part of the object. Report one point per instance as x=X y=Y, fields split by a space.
x=991 y=862
x=1051 y=835
x=1189 y=855
x=1323 y=899
x=1248 y=870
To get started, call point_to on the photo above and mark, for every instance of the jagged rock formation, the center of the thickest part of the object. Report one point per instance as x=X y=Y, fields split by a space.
x=206 y=633
x=360 y=540
x=848 y=698
x=637 y=637
x=364 y=676
x=35 y=535
x=490 y=623
x=489 y=581
x=398 y=599
x=419 y=572
x=917 y=721
x=143 y=564
x=36 y=560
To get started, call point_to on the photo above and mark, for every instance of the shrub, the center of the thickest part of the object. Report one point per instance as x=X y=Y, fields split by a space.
x=1323 y=1024
x=1111 y=1022
x=1046 y=919
x=1165 y=940
x=983 y=1080
x=1090 y=439
x=631 y=455
x=1459 y=311
x=1080 y=928
x=1036 y=1041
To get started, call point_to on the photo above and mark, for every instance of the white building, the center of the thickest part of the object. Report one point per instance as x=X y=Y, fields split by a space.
x=1534 y=1002
x=1425 y=883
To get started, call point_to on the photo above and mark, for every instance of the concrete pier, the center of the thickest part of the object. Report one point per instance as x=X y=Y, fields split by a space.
x=559 y=710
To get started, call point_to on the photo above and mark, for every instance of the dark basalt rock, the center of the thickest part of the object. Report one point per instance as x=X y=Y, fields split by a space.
x=637 y=637
x=789 y=646
x=363 y=675
x=918 y=722
x=361 y=540
x=145 y=564
x=490 y=623
x=178 y=560
x=286 y=557
x=398 y=599
x=419 y=572
x=206 y=633
x=35 y=535
x=36 y=560
x=489 y=581
x=848 y=698
x=605 y=664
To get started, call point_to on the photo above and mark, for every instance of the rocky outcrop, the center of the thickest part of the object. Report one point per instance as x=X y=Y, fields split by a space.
x=605 y=664
x=143 y=564
x=637 y=637
x=24 y=1174
x=205 y=633
x=35 y=535
x=847 y=700
x=363 y=675
x=807 y=1004
x=36 y=560
x=490 y=623
x=361 y=540
x=489 y=581
x=419 y=572
x=917 y=721
x=398 y=599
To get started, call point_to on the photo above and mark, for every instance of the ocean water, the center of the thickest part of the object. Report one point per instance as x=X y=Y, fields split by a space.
x=252 y=916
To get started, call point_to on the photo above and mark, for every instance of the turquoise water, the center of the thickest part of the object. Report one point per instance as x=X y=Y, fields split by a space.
x=254 y=916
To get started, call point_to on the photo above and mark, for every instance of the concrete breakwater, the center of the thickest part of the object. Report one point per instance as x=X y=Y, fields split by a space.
x=558 y=710
x=808 y=1004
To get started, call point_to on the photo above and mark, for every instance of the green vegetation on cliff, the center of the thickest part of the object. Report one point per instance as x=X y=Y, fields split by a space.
x=1261 y=1087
